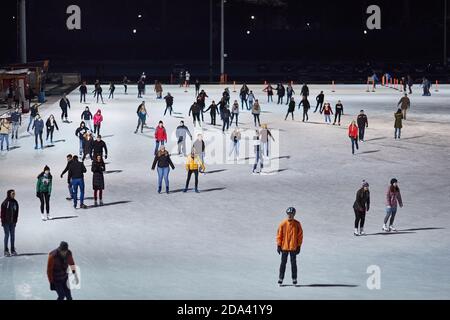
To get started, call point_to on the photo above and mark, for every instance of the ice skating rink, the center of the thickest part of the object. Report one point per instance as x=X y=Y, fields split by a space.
x=220 y=244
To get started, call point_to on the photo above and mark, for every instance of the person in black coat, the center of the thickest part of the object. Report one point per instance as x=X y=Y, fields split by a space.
x=98 y=181
x=363 y=123
x=339 y=111
x=51 y=125
x=80 y=132
x=320 y=99
x=291 y=109
x=9 y=217
x=226 y=114
x=305 y=91
x=213 y=110
x=169 y=103
x=281 y=91
x=76 y=171
x=98 y=146
x=306 y=107
x=88 y=146
x=361 y=206
x=83 y=92
x=195 y=110
x=64 y=103
x=69 y=183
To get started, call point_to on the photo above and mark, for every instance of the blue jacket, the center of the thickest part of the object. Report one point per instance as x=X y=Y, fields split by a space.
x=38 y=126
x=16 y=117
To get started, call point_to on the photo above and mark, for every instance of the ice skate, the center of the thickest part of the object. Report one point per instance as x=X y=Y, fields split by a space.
x=392 y=229
x=13 y=253
x=44 y=218
x=49 y=217
x=6 y=253
x=159 y=190
x=167 y=190
x=356 y=232
x=385 y=228
x=294 y=282
x=280 y=282
x=101 y=203
x=95 y=203
x=83 y=206
x=361 y=232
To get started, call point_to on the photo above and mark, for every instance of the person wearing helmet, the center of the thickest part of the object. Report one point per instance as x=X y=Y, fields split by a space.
x=393 y=199
x=361 y=207
x=289 y=242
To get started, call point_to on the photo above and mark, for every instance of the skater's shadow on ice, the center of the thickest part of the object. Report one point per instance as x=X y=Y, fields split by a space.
x=282 y=157
x=62 y=140
x=178 y=117
x=49 y=146
x=109 y=204
x=25 y=136
x=113 y=171
x=201 y=191
x=215 y=171
x=410 y=138
x=108 y=136
x=369 y=152
x=388 y=233
x=421 y=229
x=274 y=172
x=147 y=136
x=375 y=139
x=323 y=286
x=64 y=218
x=14 y=148
x=31 y=254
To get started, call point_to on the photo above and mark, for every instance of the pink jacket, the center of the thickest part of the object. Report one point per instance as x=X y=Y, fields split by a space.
x=392 y=197
x=98 y=118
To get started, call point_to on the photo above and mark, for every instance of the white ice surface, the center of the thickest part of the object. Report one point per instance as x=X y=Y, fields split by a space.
x=221 y=244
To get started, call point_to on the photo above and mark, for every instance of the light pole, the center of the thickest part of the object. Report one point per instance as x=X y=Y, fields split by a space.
x=210 y=41
x=22 y=31
x=445 y=33
x=222 y=37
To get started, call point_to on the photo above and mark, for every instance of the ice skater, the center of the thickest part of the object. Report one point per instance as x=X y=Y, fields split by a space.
x=142 y=117
x=38 y=126
x=112 y=88
x=80 y=132
x=258 y=154
x=181 y=133
x=305 y=91
x=4 y=132
x=393 y=200
x=83 y=91
x=34 y=110
x=289 y=93
x=193 y=165
x=141 y=88
x=264 y=137
x=243 y=94
x=363 y=123
x=339 y=111
x=353 y=135
x=327 y=111
x=87 y=117
x=404 y=104
x=158 y=89
x=98 y=146
x=320 y=99
x=162 y=159
x=426 y=85
x=269 y=90
x=76 y=171
x=281 y=92
x=64 y=104
x=125 y=82
x=256 y=111
x=200 y=147
x=169 y=103
x=98 y=92
x=226 y=114
x=195 y=110
x=289 y=243
x=306 y=107
x=16 y=122
x=58 y=264
x=43 y=192
x=98 y=119
x=98 y=181
x=88 y=145
x=361 y=206
x=213 y=110
x=235 y=112
x=398 y=124
x=69 y=179
x=51 y=124
x=160 y=136
x=235 y=143
x=197 y=87
x=291 y=109
x=9 y=217
x=251 y=99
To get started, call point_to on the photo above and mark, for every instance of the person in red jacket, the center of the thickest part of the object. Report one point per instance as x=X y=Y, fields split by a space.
x=289 y=242
x=160 y=136
x=353 y=135
x=59 y=260
x=98 y=118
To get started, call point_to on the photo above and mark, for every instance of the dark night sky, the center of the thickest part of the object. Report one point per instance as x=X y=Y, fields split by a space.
x=179 y=29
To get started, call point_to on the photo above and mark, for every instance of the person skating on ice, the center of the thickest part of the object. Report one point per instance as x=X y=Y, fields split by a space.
x=426 y=85
x=169 y=103
x=158 y=89
x=142 y=117
x=289 y=243
x=5 y=127
x=281 y=92
x=193 y=165
x=160 y=136
x=34 y=110
x=361 y=206
x=405 y=104
x=98 y=181
x=243 y=94
x=76 y=171
x=16 y=122
x=88 y=145
x=398 y=124
x=98 y=119
x=265 y=134
x=162 y=159
x=353 y=135
x=125 y=82
x=200 y=147
x=327 y=111
x=69 y=178
x=269 y=90
x=80 y=132
x=289 y=93
x=181 y=133
x=305 y=91
x=393 y=200
x=320 y=99
x=51 y=124
x=226 y=114
x=112 y=88
x=187 y=76
x=38 y=126
x=226 y=95
x=251 y=99
x=58 y=264
x=195 y=111
x=306 y=107
x=43 y=191
x=141 y=88
x=363 y=123
x=98 y=147
x=258 y=153
x=86 y=117
x=197 y=87
x=291 y=109
x=201 y=100
x=256 y=112
x=235 y=138
x=98 y=92
x=9 y=218
x=235 y=112
x=213 y=110
x=64 y=104
x=410 y=83
x=339 y=111
x=83 y=91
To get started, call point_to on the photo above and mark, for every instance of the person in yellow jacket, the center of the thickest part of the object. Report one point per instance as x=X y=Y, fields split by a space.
x=289 y=242
x=193 y=165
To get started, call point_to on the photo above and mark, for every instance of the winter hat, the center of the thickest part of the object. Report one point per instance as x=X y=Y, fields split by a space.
x=365 y=184
x=46 y=168
x=394 y=181
x=63 y=246
x=291 y=210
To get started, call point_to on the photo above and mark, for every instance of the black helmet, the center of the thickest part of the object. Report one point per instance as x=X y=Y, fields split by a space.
x=291 y=210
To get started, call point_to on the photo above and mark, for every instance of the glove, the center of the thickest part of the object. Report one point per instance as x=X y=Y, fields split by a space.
x=106 y=156
x=297 y=251
x=61 y=176
x=279 y=249
x=52 y=286
x=38 y=194
x=76 y=279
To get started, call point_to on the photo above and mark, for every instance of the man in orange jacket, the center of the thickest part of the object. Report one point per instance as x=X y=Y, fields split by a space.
x=59 y=260
x=289 y=242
